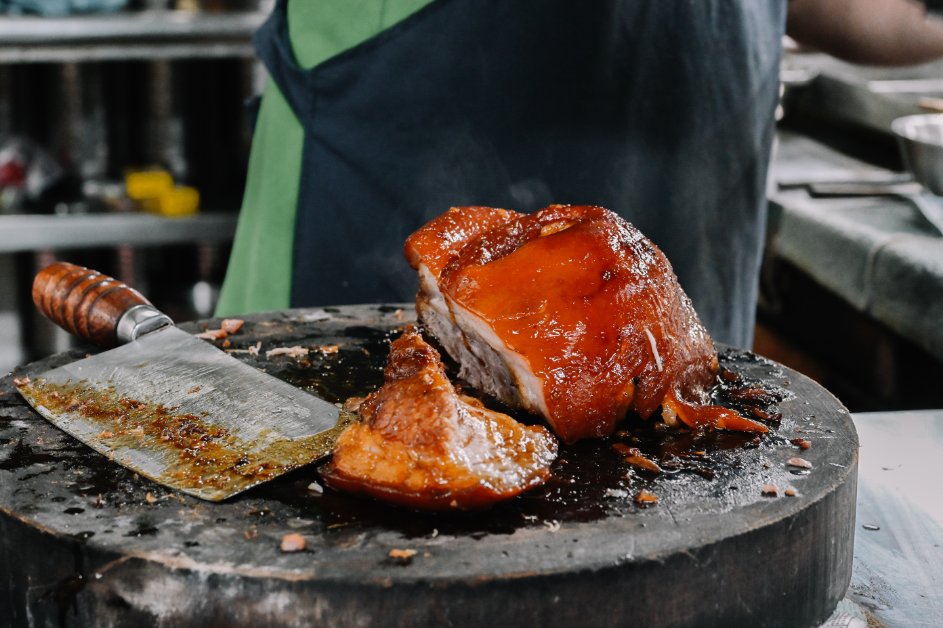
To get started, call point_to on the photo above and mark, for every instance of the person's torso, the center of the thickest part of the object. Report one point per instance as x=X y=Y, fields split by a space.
x=661 y=111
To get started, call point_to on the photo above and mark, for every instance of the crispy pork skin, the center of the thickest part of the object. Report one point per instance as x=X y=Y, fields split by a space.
x=569 y=312
x=422 y=444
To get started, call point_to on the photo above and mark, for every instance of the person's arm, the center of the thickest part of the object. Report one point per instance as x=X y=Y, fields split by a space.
x=874 y=32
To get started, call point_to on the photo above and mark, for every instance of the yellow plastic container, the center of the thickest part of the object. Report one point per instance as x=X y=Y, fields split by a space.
x=154 y=191
x=142 y=185
x=179 y=201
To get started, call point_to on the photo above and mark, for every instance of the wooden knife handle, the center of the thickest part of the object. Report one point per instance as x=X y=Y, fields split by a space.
x=84 y=302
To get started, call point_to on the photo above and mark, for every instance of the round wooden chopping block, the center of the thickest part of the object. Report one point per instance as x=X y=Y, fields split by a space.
x=86 y=542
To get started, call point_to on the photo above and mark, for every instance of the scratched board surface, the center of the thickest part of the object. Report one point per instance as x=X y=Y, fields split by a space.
x=83 y=538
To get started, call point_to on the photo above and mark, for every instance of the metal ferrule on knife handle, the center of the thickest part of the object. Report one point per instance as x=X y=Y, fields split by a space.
x=93 y=306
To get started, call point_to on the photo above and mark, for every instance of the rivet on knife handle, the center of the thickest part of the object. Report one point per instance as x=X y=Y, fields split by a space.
x=93 y=306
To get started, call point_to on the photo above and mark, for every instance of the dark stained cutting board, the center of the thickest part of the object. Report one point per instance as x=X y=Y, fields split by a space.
x=86 y=542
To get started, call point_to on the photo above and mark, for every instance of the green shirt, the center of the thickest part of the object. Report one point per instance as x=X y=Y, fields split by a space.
x=260 y=267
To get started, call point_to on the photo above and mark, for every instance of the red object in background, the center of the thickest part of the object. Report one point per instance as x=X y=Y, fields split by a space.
x=12 y=173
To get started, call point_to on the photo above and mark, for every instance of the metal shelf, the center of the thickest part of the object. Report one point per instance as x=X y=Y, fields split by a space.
x=24 y=233
x=123 y=36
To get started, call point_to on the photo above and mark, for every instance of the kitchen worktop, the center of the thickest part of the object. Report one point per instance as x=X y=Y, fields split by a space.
x=898 y=568
x=875 y=252
x=878 y=255
x=867 y=96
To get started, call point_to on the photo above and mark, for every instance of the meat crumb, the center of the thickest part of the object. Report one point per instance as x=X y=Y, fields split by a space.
x=106 y=435
x=231 y=325
x=212 y=334
x=645 y=498
x=20 y=381
x=329 y=349
x=398 y=314
x=254 y=349
x=801 y=463
x=132 y=404
x=644 y=463
x=770 y=490
x=552 y=526
x=402 y=556
x=293 y=542
x=352 y=404
x=801 y=443
x=790 y=492
x=292 y=352
x=227 y=327
x=635 y=458
x=149 y=498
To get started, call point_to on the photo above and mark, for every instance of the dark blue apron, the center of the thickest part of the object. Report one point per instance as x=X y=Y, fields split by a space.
x=661 y=111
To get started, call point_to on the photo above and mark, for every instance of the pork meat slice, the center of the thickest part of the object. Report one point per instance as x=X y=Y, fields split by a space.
x=570 y=313
x=422 y=444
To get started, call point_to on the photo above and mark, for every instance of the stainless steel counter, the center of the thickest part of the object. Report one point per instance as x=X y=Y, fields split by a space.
x=898 y=566
x=875 y=252
x=868 y=96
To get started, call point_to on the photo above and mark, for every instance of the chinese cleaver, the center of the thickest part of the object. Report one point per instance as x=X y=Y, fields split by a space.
x=165 y=404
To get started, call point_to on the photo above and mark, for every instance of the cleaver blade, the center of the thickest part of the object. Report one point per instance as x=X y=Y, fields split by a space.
x=165 y=404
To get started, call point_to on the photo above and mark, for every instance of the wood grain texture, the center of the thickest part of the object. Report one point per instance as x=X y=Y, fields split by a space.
x=81 y=543
x=84 y=302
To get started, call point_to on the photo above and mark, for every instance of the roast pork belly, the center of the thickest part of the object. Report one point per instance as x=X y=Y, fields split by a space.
x=570 y=313
x=420 y=443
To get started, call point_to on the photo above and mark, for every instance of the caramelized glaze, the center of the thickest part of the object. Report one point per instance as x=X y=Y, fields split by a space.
x=594 y=310
x=198 y=452
x=421 y=444
x=438 y=246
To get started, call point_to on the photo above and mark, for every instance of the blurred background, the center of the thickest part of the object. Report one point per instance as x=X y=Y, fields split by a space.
x=124 y=134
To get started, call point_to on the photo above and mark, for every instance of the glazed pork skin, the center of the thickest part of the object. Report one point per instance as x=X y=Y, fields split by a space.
x=570 y=313
x=430 y=250
x=420 y=443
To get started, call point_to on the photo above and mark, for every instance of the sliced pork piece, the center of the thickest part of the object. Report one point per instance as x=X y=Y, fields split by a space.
x=430 y=250
x=570 y=313
x=420 y=443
